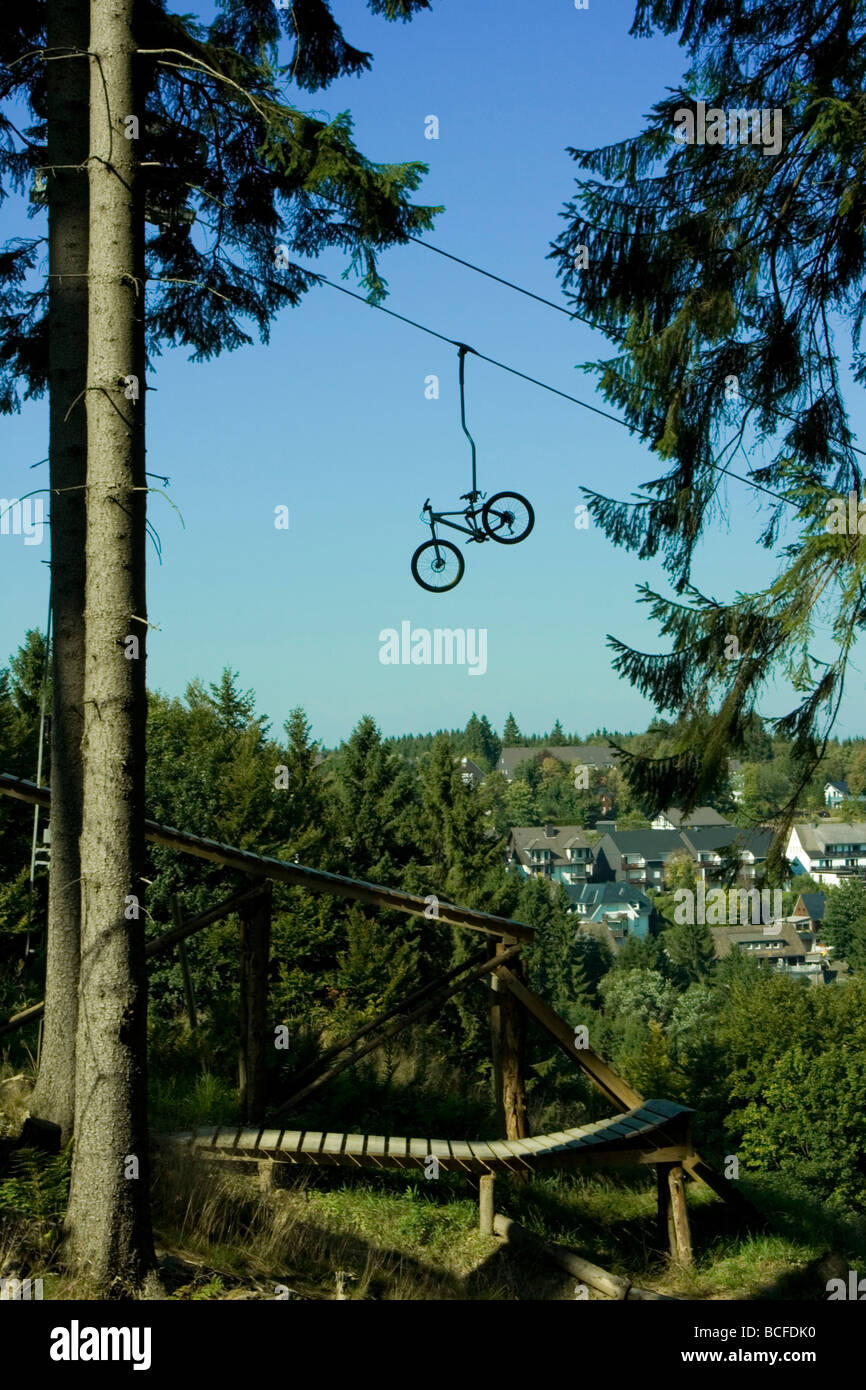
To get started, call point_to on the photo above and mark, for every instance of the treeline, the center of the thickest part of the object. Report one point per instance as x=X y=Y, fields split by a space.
x=776 y=1071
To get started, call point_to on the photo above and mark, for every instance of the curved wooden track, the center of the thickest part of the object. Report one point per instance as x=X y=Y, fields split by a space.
x=657 y=1131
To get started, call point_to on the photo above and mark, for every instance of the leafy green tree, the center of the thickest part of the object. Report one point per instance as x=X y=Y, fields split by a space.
x=555 y=972
x=809 y=1121
x=680 y=872
x=857 y=771
x=556 y=738
x=638 y=994
x=844 y=926
x=732 y=286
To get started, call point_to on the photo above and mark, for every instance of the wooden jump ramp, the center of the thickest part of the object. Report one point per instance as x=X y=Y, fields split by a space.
x=643 y=1131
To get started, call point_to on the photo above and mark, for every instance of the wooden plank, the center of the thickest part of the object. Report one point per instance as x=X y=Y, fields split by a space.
x=314 y=880
x=482 y=1152
x=312 y=1141
x=398 y=1147
x=290 y=1142
x=333 y=1143
x=441 y=1148
x=248 y=1139
x=355 y=1143
x=377 y=1146
x=419 y=1148
x=269 y=1140
x=226 y=1138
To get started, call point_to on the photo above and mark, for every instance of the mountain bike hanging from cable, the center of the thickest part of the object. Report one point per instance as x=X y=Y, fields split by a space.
x=506 y=517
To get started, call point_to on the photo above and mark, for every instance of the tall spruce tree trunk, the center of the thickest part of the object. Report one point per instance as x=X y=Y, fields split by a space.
x=68 y=88
x=108 y=1219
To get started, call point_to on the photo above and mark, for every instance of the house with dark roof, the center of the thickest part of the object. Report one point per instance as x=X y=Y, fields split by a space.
x=621 y=907
x=674 y=819
x=835 y=793
x=591 y=755
x=808 y=913
x=471 y=775
x=641 y=856
x=560 y=853
x=709 y=846
x=635 y=856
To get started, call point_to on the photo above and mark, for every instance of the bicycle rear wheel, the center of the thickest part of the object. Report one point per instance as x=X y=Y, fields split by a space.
x=437 y=566
x=508 y=518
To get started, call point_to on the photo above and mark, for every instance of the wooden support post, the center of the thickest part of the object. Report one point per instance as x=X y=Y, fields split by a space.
x=673 y=1214
x=676 y=1180
x=511 y=1044
x=666 y=1234
x=189 y=993
x=254 y=1033
x=486 y=1203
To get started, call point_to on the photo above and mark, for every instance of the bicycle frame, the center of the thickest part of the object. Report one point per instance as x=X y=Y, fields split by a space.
x=473 y=530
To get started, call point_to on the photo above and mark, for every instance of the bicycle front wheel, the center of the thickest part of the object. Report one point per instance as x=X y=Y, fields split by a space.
x=437 y=566
x=507 y=518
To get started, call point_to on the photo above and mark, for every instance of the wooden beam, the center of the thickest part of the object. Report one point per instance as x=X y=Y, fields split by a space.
x=703 y=1172
x=512 y=1055
x=314 y=880
x=189 y=992
x=433 y=1001
x=598 y=1071
x=254 y=1032
x=313 y=1069
x=154 y=947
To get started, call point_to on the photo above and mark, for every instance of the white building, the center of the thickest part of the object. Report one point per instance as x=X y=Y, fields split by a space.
x=829 y=852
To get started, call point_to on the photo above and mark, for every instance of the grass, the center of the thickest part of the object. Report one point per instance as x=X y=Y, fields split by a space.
x=329 y=1233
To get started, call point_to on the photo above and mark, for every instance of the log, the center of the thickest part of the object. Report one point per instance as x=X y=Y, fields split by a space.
x=612 y=1285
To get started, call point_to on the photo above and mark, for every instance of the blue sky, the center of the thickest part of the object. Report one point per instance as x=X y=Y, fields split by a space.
x=331 y=420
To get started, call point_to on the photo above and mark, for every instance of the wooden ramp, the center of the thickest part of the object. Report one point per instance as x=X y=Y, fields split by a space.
x=657 y=1131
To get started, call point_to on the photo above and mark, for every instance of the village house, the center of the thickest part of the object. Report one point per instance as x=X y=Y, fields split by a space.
x=674 y=819
x=830 y=852
x=590 y=755
x=559 y=853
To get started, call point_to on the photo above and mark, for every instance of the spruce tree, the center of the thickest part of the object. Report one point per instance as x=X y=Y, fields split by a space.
x=238 y=181
x=511 y=735
x=731 y=281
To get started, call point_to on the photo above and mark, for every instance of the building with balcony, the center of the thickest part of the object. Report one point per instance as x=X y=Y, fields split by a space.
x=560 y=853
